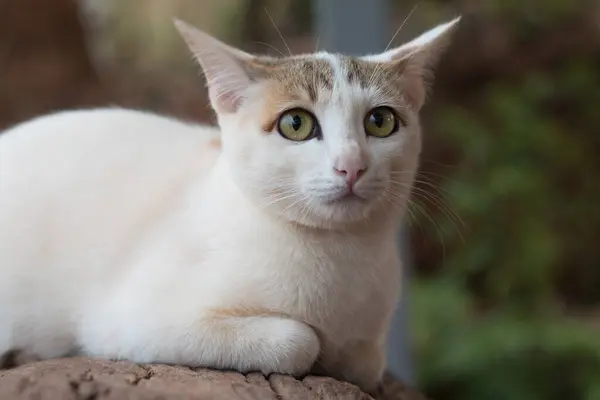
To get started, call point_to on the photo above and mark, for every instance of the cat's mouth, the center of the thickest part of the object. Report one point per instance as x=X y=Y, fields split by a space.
x=349 y=197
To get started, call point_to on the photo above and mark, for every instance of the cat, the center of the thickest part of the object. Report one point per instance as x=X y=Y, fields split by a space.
x=267 y=244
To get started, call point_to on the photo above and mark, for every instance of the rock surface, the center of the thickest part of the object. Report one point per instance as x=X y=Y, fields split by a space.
x=82 y=378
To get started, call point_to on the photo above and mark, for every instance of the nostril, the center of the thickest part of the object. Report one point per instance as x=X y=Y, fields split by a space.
x=351 y=175
x=341 y=172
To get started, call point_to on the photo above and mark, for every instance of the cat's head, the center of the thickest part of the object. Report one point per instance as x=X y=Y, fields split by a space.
x=322 y=139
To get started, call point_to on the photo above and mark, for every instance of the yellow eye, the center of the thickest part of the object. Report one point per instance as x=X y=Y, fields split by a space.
x=381 y=122
x=297 y=125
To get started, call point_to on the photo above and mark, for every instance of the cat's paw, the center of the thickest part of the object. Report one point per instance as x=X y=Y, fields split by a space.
x=292 y=347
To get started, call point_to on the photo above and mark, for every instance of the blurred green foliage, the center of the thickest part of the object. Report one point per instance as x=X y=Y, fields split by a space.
x=504 y=354
x=512 y=312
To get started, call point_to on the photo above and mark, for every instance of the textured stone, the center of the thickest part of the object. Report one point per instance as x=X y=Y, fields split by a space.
x=88 y=379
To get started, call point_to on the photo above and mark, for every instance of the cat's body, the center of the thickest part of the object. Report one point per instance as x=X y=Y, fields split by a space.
x=171 y=236
x=129 y=235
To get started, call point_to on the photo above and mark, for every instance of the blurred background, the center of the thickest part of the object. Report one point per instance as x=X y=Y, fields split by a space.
x=504 y=229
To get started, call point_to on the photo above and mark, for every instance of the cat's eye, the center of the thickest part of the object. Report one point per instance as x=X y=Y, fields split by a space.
x=297 y=125
x=381 y=122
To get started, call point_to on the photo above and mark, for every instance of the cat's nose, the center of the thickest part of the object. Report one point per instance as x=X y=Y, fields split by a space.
x=351 y=170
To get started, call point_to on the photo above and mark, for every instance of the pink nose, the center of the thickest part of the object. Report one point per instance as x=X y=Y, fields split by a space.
x=351 y=171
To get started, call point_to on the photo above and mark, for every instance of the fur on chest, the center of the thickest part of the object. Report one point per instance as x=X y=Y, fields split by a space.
x=342 y=283
x=341 y=286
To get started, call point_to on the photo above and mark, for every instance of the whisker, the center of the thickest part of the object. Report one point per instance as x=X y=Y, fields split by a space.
x=424 y=179
x=412 y=218
x=437 y=163
x=445 y=210
x=395 y=197
x=293 y=204
x=440 y=197
x=438 y=229
x=432 y=184
x=438 y=201
x=414 y=205
x=270 y=46
x=305 y=208
x=278 y=31
x=279 y=199
x=380 y=65
x=402 y=25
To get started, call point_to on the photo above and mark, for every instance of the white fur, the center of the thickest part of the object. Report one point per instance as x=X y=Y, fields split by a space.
x=126 y=235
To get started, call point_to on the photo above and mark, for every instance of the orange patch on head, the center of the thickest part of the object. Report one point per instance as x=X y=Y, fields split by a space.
x=289 y=83
x=305 y=81
x=276 y=101
x=370 y=74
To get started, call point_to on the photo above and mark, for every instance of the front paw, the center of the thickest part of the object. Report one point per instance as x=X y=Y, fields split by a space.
x=293 y=347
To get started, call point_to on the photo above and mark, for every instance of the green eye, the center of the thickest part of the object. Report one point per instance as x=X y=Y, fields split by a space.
x=296 y=124
x=381 y=122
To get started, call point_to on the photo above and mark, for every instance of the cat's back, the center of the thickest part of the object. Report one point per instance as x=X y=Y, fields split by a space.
x=92 y=180
x=100 y=137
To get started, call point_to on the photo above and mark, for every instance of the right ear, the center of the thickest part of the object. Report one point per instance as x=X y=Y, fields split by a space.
x=417 y=59
x=226 y=68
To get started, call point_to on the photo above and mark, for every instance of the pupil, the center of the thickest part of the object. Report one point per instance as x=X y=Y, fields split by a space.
x=377 y=119
x=296 y=122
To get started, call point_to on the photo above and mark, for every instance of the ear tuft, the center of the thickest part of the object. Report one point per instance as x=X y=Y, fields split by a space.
x=222 y=65
x=418 y=58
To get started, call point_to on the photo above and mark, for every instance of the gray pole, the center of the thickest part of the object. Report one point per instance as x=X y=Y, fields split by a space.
x=360 y=27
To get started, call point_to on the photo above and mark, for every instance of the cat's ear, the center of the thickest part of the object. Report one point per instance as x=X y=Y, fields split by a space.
x=225 y=68
x=417 y=59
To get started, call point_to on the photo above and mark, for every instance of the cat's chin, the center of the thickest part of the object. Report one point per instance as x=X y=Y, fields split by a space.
x=346 y=199
x=348 y=208
x=337 y=212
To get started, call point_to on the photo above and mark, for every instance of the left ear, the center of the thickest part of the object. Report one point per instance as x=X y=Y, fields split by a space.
x=227 y=69
x=417 y=59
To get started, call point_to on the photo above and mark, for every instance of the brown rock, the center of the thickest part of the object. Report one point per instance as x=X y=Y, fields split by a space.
x=83 y=378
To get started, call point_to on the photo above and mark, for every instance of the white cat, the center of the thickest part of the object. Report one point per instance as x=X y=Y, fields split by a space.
x=266 y=246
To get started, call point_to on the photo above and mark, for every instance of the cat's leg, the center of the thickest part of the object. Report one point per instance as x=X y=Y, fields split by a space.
x=361 y=363
x=244 y=343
